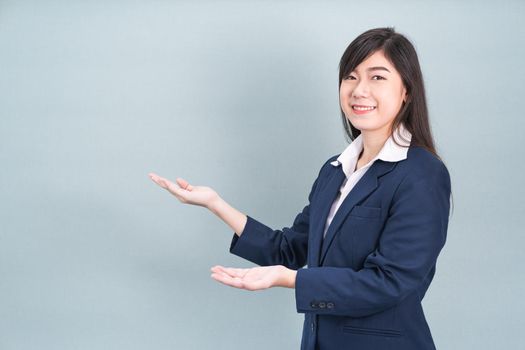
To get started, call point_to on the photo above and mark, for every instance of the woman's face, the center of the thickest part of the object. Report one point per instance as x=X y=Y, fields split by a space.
x=372 y=95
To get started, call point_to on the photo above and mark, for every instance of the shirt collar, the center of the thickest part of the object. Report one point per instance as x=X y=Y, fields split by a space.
x=390 y=152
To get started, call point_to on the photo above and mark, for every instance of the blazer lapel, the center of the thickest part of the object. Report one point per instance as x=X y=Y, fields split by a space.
x=327 y=195
x=367 y=184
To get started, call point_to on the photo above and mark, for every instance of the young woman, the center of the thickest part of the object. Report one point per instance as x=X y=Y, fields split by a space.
x=377 y=215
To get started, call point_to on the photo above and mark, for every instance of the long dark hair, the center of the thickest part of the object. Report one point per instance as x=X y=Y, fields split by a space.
x=401 y=53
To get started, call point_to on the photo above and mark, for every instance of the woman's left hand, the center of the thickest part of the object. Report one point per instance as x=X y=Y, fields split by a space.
x=255 y=278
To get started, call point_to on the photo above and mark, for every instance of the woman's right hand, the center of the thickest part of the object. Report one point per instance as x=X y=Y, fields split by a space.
x=197 y=195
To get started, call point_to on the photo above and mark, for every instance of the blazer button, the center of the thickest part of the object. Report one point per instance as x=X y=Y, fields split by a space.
x=313 y=305
x=330 y=305
x=322 y=304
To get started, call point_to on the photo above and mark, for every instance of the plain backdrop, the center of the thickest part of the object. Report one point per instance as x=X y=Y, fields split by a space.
x=240 y=96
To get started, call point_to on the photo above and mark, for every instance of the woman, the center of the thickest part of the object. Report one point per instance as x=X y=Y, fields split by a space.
x=376 y=219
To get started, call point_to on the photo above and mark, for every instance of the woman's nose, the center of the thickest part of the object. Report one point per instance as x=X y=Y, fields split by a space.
x=360 y=89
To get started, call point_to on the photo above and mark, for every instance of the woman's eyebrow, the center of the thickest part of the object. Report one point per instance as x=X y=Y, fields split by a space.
x=377 y=68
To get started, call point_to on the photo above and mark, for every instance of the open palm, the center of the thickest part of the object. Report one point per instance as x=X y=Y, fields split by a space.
x=186 y=193
x=255 y=278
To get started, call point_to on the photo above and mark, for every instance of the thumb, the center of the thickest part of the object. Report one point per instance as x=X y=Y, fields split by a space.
x=184 y=184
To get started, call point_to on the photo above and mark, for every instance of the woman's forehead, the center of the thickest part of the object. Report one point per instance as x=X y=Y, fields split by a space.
x=375 y=60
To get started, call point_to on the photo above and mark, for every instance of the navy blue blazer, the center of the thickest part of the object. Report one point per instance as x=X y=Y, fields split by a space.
x=365 y=280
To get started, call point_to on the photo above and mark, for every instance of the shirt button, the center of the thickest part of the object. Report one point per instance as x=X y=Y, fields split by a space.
x=312 y=327
x=330 y=305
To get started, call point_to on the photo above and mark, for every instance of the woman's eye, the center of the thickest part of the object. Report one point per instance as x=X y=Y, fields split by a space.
x=350 y=77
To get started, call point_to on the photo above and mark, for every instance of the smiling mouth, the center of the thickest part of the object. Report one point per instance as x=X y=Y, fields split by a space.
x=363 y=108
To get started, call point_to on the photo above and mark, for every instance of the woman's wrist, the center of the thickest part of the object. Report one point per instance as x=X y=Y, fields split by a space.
x=215 y=204
x=288 y=277
x=231 y=216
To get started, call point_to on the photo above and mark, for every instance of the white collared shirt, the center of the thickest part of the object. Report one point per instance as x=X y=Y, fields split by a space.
x=390 y=152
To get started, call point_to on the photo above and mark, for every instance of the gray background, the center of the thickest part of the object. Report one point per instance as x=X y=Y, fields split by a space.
x=242 y=97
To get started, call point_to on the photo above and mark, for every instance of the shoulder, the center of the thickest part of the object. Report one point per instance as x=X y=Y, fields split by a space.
x=421 y=160
x=331 y=159
x=326 y=166
x=423 y=165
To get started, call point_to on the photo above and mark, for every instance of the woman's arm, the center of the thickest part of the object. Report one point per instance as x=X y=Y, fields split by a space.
x=231 y=216
x=252 y=240
x=262 y=245
x=205 y=197
x=288 y=246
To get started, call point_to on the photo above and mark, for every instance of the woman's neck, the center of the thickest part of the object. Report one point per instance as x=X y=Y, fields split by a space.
x=372 y=144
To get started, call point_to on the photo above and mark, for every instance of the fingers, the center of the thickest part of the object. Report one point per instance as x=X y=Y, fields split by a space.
x=170 y=186
x=227 y=280
x=230 y=271
x=234 y=277
x=162 y=182
x=184 y=184
x=167 y=185
x=223 y=277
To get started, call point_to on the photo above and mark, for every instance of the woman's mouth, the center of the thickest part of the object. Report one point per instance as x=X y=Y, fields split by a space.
x=361 y=109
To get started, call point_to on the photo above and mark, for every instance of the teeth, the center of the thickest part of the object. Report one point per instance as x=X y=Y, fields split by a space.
x=363 y=108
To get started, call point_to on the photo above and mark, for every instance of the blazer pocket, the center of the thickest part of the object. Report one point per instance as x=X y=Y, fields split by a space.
x=365 y=212
x=372 y=331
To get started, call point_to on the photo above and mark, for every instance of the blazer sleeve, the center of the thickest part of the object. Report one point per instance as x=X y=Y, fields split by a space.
x=265 y=246
x=413 y=235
